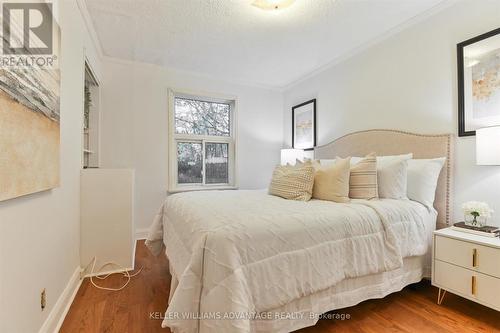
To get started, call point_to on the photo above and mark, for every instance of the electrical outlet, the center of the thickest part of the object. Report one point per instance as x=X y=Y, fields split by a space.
x=43 y=299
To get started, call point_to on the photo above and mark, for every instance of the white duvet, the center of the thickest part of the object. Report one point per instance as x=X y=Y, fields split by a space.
x=240 y=254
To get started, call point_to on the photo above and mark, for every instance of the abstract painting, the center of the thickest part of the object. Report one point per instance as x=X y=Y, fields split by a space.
x=304 y=125
x=486 y=86
x=29 y=125
x=479 y=82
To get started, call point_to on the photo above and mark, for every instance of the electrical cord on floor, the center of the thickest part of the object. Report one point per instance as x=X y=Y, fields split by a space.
x=125 y=273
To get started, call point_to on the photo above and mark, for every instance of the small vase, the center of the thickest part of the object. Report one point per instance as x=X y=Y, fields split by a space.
x=475 y=221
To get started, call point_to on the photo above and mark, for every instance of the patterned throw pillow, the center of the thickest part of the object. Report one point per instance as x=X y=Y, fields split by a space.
x=363 y=181
x=293 y=182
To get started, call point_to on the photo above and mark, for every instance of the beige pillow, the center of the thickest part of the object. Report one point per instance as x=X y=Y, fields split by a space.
x=363 y=179
x=293 y=182
x=332 y=183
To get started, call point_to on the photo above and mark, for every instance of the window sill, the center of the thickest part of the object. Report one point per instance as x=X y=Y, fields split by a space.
x=201 y=188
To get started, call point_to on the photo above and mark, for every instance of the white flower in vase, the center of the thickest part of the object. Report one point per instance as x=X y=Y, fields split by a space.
x=476 y=213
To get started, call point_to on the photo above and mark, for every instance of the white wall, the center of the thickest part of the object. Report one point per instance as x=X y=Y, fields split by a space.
x=40 y=233
x=407 y=82
x=135 y=123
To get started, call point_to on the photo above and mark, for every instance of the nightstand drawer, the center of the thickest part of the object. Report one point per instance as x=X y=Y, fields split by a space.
x=473 y=285
x=476 y=257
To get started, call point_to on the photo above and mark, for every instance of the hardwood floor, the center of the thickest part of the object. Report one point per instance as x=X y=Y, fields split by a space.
x=412 y=310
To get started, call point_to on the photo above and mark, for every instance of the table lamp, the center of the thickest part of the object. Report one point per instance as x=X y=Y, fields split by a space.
x=291 y=155
x=488 y=146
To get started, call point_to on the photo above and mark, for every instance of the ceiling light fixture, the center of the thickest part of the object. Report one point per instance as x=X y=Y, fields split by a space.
x=272 y=4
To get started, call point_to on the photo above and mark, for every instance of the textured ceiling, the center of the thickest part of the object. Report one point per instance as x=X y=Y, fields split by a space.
x=233 y=40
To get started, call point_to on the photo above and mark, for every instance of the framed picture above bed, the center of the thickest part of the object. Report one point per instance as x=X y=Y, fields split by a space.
x=304 y=125
x=478 y=83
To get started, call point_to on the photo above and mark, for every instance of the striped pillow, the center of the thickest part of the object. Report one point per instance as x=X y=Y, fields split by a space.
x=363 y=180
x=294 y=183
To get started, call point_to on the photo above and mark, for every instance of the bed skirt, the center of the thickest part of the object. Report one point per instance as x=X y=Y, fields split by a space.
x=305 y=311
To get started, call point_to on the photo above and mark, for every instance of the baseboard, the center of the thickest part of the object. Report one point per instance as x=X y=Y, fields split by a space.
x=141 y=233
x=133 y=254
x=56 y=317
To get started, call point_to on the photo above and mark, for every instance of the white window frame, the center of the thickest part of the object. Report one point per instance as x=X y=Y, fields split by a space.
x=174 y=138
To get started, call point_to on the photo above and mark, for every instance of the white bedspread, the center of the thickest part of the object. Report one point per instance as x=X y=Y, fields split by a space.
x=241 y=253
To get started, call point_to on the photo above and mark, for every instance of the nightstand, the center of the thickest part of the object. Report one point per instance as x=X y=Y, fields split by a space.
x=467 y=265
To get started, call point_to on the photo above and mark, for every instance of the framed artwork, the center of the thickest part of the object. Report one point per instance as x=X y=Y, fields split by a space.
x=29 y=104
x=304 y=125
x=478 y=83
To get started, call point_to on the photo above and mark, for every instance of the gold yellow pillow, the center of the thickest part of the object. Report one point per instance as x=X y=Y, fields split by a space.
x=293 y=182
x=363 y=179
x=332 y=183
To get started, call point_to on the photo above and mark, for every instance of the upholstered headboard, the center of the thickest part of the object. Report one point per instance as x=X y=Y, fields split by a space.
x=392 y=142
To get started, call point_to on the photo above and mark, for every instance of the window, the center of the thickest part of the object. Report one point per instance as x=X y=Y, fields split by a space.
x=202 y=144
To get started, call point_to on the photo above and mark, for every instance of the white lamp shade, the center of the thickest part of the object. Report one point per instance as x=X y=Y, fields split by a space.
x=488 y=146
x=291 y=155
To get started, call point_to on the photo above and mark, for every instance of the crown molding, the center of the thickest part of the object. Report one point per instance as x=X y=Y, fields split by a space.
x=365 y=46
x=82 y=6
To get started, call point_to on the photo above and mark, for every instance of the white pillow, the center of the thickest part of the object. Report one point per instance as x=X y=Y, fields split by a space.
x=385 y=160
x=393 y=180
x=392 y=173
x=423 y=175
x=355 y=160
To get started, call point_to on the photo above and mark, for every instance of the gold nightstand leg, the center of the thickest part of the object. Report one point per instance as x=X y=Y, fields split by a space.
x=441 y=294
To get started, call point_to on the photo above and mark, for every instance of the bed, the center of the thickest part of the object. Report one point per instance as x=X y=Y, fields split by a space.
x=245 y=261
